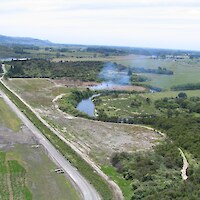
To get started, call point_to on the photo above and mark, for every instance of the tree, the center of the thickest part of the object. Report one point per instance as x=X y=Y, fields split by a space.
x=182 y=95
x=169 y=113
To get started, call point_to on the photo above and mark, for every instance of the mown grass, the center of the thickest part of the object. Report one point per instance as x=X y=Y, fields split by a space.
x=8 y=117
x=85 y=169
x=11 y=171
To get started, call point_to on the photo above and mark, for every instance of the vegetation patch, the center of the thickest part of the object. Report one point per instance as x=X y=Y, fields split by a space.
x=188 y=86
x=159 y=70
x=156 y=175
x=13 y=180
x=124 y=184
x=39 y=68
x=138 y=78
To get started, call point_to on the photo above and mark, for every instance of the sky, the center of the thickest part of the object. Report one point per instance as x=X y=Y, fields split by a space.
x=173 y=24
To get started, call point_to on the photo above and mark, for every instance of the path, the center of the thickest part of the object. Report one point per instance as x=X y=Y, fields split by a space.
x=185 y=166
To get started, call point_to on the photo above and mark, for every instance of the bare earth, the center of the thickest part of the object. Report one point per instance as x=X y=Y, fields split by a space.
x=9 y=138
x=77 y=84
x=101 y=139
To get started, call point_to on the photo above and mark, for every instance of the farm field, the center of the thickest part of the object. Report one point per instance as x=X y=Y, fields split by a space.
x=30 y=169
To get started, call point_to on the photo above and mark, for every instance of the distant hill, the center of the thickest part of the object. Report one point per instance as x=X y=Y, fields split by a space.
x=7 y=40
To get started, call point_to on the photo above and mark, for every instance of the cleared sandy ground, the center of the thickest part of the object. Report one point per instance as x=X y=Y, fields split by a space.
x=100 y=139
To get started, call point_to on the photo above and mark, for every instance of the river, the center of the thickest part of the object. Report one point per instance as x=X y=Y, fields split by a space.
x=87 y=106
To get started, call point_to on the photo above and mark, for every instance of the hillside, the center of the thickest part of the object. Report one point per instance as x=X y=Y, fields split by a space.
x=6 y=40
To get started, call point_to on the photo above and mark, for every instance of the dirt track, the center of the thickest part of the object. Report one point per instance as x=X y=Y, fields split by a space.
x=185 y=166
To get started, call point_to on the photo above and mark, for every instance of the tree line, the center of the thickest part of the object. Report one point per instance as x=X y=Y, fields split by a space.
x=188 y=86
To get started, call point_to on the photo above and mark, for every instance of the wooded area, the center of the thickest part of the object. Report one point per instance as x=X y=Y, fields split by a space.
x=39 y=68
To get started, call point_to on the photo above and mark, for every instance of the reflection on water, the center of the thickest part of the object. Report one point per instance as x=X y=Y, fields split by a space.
x=87 y=106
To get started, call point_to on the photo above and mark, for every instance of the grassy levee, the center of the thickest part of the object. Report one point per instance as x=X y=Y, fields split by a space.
x=86 y=170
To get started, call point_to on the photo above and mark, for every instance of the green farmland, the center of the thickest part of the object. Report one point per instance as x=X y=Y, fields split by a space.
x=185 y=70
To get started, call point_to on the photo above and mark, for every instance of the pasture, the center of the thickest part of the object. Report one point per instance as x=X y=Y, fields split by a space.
x=185 y=70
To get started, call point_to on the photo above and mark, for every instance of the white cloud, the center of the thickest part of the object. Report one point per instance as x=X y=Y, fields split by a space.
x=120 y=22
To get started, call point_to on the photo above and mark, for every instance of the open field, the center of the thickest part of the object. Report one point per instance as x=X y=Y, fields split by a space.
x=122 y=105
x=57 y=56
x=37 y=92
x=185 y=70
x=41 y=179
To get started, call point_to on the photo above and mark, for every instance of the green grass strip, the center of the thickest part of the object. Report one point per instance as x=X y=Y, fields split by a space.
x=86 y=170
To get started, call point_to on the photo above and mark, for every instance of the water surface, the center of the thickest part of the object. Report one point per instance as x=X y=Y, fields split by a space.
x=87 y=106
